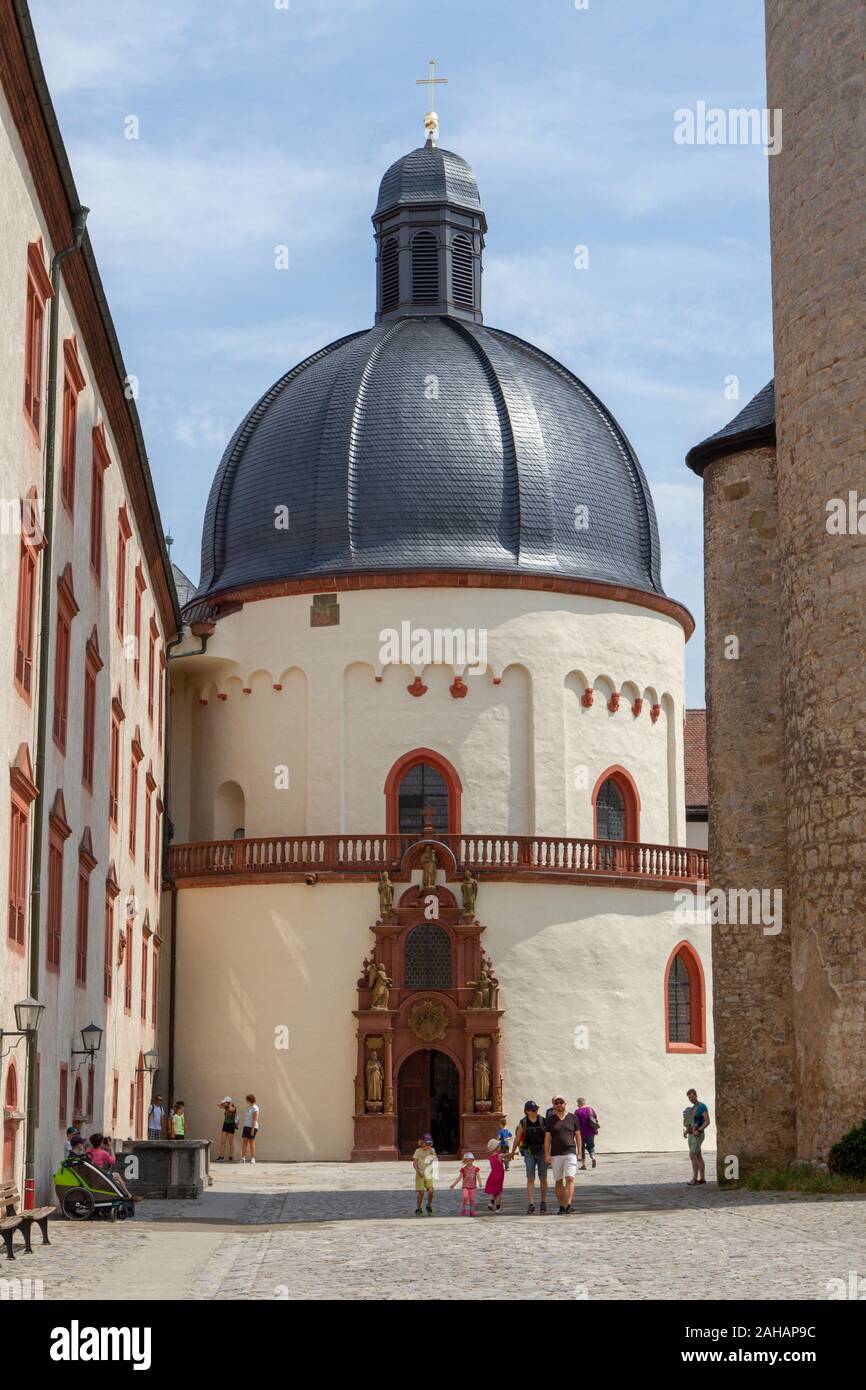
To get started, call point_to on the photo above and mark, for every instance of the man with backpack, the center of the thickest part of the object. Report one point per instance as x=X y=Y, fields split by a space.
x=589 y=1127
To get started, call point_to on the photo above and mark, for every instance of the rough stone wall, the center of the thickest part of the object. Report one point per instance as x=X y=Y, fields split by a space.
x=755 y=1114
x=815 y=75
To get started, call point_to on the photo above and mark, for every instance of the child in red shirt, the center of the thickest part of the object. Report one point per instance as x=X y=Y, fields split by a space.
x=496 y=1181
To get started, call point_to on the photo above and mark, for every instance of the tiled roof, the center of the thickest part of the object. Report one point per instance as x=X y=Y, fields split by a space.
x=753 y=426
x=696 y=757
x=429 y=444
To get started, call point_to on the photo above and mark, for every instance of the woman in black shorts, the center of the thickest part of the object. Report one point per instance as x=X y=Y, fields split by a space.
x=230 y=1124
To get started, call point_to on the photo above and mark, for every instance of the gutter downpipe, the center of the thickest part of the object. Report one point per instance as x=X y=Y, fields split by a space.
x=45 y=578
x=205 y=631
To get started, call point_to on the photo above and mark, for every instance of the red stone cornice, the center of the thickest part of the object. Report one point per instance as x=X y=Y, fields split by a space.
x=455 y=579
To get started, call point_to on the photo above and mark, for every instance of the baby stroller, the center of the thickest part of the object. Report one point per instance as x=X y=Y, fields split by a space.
x=85 y=1192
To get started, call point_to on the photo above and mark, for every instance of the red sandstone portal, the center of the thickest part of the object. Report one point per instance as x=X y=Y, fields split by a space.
x=434 y=1051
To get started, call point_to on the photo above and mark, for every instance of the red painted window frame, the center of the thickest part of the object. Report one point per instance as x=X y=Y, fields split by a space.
x=91 y=1087
x=161 y=697
x=117 y=717
x=697 y=1000
x=86 y=865
x=32 y=542
x=115 y=1096
x=149 y=789
x=100 y=462
x=144 y=970
x=124 y=531
x=127 y=970
x=140 y=586
x=92 y=667
x=137 y=753
x=73 y=385
x=58 y=833
x=631 y=801
x=395 y=778
x=39 y=291
x=66 y=611
x=63 y=1099
x=151 y=654
x=23 y=794
x=108 y=947
x=154 y=991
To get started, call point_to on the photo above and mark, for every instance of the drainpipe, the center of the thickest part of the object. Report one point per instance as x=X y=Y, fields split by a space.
x=205 y=631
x=45 y=577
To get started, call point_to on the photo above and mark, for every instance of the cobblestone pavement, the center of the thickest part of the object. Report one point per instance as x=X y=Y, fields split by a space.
x=347 y=1231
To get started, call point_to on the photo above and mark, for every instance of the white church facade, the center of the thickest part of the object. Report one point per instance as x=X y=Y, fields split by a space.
x=427 y=741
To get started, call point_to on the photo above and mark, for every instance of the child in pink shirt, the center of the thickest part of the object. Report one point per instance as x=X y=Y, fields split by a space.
x=496 y=1181
x=468 y=1175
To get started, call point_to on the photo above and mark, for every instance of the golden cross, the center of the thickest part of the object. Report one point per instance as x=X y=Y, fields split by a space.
x=431 y=120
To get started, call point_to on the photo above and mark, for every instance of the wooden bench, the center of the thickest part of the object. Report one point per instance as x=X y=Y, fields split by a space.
x=13 y=1218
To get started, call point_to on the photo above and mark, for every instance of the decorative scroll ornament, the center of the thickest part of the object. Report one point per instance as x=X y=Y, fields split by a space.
x=428 y=1020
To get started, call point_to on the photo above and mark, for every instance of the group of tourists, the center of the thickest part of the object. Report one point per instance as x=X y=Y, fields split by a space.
x=98 y=1150
x=230 y=1129
x=561 y=1142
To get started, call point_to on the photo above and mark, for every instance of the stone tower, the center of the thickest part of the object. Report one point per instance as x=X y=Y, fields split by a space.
x=787 y=720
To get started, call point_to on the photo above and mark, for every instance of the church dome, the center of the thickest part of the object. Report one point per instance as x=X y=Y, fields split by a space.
x=429 y=441
x=428 y=175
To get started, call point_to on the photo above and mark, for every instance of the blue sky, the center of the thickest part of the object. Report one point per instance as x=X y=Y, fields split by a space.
x=261 y=126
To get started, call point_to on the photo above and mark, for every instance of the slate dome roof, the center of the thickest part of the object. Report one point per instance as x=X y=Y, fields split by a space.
x=429 y=441
x=428 y=175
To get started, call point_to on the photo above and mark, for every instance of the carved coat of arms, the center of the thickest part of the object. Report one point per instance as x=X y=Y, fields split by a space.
x=428 y=1020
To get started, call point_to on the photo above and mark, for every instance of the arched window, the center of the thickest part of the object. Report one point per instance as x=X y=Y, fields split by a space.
x=229 y=812
x=425 y=268
x=428 y=958
x=11 y=1100
x=390 y=275
x=462 y=280
x=422 y=787
x=616 y=806
x=685 y=1029
x=77 y=1100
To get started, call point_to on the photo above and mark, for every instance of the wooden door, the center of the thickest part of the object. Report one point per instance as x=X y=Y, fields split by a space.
x=413 y=1100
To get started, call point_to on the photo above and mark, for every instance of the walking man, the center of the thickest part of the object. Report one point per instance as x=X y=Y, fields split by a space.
x=561 y=1133
x=530 y=1140
x=589 y=1127
x=696 y=1119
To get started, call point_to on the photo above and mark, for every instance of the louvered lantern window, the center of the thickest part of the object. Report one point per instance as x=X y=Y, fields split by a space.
x=390 y=275
x=428 y=958
x=679 y=1002
x=462 y=287
x=425 y=268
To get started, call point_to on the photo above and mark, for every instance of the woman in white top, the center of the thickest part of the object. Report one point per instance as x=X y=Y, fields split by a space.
x=250 y=1130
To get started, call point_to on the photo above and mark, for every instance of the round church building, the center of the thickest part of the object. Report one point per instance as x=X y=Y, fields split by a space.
x=429 y=849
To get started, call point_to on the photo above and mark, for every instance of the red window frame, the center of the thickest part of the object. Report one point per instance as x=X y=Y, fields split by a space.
x=24 y=792
x=115 y=1088
x=39 y=291
x=58 y=833
x=73 y=385
x=151 y=654
x=144 y=967
x=631 y=801
x=137 y=755
x=124 y=531
x=117 y=717
x=108 y=946
x=149 y=789
x=161 y=693
x=101 y=461
x=394 y=780
x=697 y=999
x=140 y=586
x=66 y=611
x=127 y=971
x=154 y=992
x=86 y=865
x=92 y=667
x=32 y=541
x=63 y=1106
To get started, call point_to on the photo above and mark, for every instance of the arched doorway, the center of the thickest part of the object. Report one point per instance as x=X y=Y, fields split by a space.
x=428 y=1101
